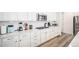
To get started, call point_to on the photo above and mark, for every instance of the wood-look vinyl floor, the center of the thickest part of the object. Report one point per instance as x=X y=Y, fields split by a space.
x=59 y=41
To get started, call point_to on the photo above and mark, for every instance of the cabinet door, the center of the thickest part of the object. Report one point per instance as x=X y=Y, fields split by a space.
x=49 y=34
x=22 y=16
x=52 y=32
x=35 y=38
x=56 y=31
x=35 y=41
x=28 y=39
x=43 y=36
x=51 y=16
x=32 y=16
x=24 y=39
x=10 y=16
x=10 y=42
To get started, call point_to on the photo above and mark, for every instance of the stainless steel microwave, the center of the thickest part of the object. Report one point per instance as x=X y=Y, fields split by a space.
x=41 y=17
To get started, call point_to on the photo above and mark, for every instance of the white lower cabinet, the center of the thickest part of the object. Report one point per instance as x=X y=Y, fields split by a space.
x=24 y=39
x=43 y=35
x=29 y=39
x=35 y=38
x=52 y=32
x=10 y=41
x=49 y=33
x=56 y=31
x=19 y=39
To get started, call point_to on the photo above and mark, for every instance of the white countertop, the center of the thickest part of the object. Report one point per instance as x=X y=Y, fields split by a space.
x=75 y=41
x=25 y=31
x=30 y=30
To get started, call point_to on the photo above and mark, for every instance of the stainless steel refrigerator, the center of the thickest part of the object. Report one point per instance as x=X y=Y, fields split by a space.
x=75 y=25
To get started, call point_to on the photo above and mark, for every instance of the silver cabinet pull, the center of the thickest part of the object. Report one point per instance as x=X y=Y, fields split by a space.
x=20 y=40
x=35 y=39
x=8 y=39
x=35 y=43
x=35 y=36
x=16 y=40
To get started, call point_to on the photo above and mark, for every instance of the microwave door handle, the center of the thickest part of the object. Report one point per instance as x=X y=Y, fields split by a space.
x=76 y=19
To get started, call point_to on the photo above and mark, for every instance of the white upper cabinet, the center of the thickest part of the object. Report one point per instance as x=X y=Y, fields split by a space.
x=22 y=16
x=1 y=16
x=9 y=16
x=32 y=16
x=18 y=16
x=51 y=16
x=28 y=16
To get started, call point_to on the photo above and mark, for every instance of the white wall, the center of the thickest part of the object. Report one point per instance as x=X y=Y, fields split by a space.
x=15 y=23
x=68 y=21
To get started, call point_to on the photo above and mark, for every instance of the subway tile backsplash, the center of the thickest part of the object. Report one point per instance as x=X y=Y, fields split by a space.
x=15 y=23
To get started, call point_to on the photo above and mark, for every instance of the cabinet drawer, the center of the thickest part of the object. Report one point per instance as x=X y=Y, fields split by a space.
x=35 y=43
x=35 y=32
x=11 y=39
x=7 y=42
x=35 y=40
x=24 y=36
x=35 y=37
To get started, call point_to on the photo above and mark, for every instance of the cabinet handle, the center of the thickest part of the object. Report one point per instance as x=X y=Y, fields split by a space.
x=16 y=40
x=35 y=43
x=20 y=40
x=8 y=39
x=35 y=36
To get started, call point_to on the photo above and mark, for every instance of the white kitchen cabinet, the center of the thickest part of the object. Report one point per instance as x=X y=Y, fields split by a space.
x=9 y=16
x=56 y=31
x=17 y=39
x=10 y=41
x=35 y=38
x=51 y=16
x=32 y=16
x=22 y=16
x=43 y=35
x=1 y=16
x=53 y=32
x=49 y=32
x=24 y=39
x=28 y=39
